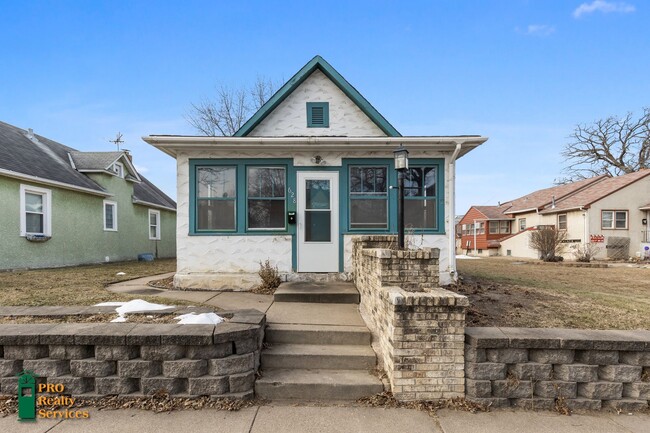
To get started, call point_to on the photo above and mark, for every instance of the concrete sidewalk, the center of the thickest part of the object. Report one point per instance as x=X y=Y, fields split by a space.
x=308 y=419
x=222 y=300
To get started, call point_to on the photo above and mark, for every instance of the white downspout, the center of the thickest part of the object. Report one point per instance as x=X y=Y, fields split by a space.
x=452 y=213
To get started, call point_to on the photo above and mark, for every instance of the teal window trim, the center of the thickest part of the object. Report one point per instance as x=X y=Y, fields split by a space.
x=242 y=199
x=326 y=114
x=284 y=198
x=439 y=163
x=380 y=163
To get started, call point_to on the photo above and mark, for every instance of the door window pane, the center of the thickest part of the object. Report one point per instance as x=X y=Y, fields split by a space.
x=216 y=215
x=217 y=182
x=317 y=192
x=318 y=226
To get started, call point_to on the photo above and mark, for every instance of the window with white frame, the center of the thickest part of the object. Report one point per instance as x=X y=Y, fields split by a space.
x=522 y=224
x=504 y=227
x=118 y=169
x=110 y=216
x=154 y=225
x=35 y=211
x=368 y=197
x=614 y=219
x=266 y=188
x=561 y=221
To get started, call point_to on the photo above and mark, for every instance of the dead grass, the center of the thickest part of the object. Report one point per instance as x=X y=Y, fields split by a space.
x=79 y=285
x=94 y=318
x=504 y=292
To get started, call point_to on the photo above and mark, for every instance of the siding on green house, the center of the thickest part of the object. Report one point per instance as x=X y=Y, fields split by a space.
x=78 y=234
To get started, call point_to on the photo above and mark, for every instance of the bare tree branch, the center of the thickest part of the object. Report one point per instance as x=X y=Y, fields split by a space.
x=612 y=146
x=230 y=109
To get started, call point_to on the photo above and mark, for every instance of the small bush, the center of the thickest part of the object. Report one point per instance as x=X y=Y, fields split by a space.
x=586 y=252
x=548 y=241
x=270 y=278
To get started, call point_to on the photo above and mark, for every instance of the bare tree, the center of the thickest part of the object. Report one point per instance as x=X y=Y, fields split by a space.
x=230 y=109
x=549 y=242
x=611 y=146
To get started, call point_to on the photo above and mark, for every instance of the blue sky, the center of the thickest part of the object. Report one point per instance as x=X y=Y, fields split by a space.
x=520 y=72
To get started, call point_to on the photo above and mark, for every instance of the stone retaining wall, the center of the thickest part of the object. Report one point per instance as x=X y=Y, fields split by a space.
x=418 y=330
x=542 y=368
x=98 y=359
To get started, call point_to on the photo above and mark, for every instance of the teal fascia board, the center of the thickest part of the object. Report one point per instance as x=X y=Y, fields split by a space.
x=318 y=63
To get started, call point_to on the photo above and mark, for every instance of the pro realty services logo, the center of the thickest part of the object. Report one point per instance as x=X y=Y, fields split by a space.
x=54 y=405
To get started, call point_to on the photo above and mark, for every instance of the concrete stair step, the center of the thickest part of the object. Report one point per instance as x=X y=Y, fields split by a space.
x=318 y=384
x=317 y=334
x=318 y=356
x=317 y=292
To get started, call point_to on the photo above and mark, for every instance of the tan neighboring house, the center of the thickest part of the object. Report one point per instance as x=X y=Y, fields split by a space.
x=611 y=213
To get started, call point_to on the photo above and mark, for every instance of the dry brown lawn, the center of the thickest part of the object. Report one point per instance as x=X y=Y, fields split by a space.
x=504 y=292
x=79 y=285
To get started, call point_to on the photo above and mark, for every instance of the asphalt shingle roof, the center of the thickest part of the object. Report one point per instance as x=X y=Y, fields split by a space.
x=49 y=160
x=493 y=212
x=595 y=192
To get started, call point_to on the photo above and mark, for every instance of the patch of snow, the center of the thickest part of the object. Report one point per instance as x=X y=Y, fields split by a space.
x=138 y=305
x=119 y=319
x=466 y=257
x=119 y=274
x=109 y=304
x=199 y=319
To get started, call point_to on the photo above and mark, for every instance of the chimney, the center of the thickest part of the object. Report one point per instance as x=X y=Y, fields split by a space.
x=30 y=133
x=128 y=154
x=553 y=203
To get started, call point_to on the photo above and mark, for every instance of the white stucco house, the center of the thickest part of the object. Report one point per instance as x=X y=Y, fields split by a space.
x=307 y=172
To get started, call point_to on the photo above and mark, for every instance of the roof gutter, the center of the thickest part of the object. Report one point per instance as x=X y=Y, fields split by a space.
x=147 y=203
x=172 y=144
x=27 y=177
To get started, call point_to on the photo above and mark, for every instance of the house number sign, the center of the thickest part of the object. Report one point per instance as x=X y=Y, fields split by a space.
x=292 y=195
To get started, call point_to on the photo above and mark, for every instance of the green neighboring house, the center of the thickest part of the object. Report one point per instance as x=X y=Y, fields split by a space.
x=61 y=207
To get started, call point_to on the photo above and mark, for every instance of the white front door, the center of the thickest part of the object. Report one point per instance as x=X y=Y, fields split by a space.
x=318 y=221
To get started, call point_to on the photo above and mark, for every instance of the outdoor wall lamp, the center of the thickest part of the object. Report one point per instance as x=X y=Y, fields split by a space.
x=318 y=160
x=401 y=156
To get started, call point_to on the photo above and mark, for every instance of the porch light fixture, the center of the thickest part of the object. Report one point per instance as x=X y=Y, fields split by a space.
x=401 y=156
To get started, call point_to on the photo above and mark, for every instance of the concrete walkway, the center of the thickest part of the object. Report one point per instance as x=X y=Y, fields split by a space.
x=308 y=419
x=222 y=300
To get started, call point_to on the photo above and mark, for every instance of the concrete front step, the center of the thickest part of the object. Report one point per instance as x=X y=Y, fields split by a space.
x=315 y=356
x=315 y=385
x=317 y=334
x=315 y=292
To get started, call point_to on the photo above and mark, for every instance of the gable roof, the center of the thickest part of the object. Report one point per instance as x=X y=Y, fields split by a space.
x=596 y=191
x=317 y=63
x=102 y=161
x=26 y=155
x=543 y=197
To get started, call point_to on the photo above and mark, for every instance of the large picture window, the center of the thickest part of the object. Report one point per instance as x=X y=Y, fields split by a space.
x=420 y=204
x=368 y=197
x=266 y=188
x=216 y=198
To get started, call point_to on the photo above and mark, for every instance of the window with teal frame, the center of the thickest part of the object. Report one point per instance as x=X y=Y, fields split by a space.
x=420 y=198
x=216 y=198
x=266 y=202
x=318 y=114
x=368 y=197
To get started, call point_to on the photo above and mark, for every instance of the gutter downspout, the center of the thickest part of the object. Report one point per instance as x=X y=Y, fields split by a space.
x=452 y=212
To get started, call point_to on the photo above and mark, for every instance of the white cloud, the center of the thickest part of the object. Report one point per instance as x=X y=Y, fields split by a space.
x=141 y=168
x=604 y=7
x=539 y=30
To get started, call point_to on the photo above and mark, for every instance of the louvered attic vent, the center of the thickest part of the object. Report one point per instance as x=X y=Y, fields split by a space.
x=318 y=115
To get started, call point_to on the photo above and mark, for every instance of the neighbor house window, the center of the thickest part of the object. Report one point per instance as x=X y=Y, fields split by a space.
x=420 y=204
x=154 y=225
x=561 y=222
x=614 y=219
x=504 y=227
x=368 y=197
x=35 y=211
x=110 y=216
x=481 y=228
x=522 y=224
x=266 y=198
x=318 y=114
x=494 y=227
x=216 y=198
